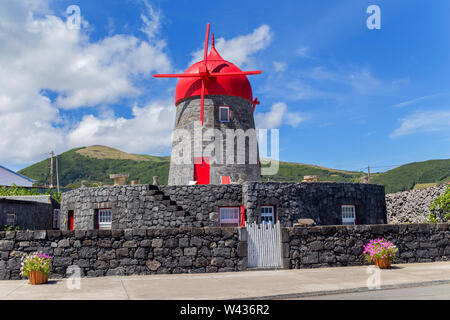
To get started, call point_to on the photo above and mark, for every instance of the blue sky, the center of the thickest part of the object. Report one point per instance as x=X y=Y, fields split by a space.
x=342 y=96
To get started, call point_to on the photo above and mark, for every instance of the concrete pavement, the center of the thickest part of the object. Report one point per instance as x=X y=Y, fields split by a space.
x=265 y=284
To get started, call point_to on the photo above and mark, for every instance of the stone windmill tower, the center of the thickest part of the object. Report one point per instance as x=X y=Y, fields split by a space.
x=214 y=138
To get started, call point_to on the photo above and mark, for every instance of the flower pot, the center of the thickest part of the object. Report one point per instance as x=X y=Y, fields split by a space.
x=384 y=263
x=38 y=277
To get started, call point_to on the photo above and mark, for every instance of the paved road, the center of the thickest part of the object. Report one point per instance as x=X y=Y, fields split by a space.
x=427 y=292
x=274 y=284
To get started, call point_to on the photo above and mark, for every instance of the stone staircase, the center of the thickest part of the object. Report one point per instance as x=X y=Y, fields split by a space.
x=171 y=206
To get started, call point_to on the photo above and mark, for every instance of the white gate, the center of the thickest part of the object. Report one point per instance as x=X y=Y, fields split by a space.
x=264 y=245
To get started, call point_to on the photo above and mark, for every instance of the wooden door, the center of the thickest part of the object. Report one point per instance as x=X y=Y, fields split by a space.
x=201 y=170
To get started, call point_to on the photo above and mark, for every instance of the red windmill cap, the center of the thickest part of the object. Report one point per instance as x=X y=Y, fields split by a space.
x=234 y=85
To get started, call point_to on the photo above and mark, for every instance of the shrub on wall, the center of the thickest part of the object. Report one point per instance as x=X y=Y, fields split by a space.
x=19 y=191
x=440 y=208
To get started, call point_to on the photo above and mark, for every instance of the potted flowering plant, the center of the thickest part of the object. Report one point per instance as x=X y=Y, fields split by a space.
x=36 y=266
x=381 y=252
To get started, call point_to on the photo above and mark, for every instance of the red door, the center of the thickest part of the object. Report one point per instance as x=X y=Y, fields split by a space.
x=70 y=220
x=201 y=170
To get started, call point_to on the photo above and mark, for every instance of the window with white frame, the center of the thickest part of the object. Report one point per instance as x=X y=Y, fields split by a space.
x=56 y=217
x=267 y=214
x=11 y=219
x=348 y=214
x=104 y=218
x=229 y=215
x=224 y=114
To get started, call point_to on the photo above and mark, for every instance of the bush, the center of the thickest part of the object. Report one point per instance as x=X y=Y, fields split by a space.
x=19 y=191
x=440 y=208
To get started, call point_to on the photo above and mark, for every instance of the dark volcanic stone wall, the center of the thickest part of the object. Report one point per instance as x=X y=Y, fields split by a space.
x=147 y=206
x=329 y=246
x=127 y=252
x=203 y=201
x=319 y=201
x=141 y=206
x=411 y=206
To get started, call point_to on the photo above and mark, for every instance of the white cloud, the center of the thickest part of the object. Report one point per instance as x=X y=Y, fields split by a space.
x=278 y=116
x=362 y=79
x=150 y=129
x=151 y=21
x=40 y=56
x=421 y=99
x=422 y=122
x=303 y=52
x=239 y=50
x=279 y=66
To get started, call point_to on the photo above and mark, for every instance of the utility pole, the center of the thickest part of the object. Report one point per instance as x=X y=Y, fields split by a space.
x=57 y=174
x=368 y=174
x=51 y=170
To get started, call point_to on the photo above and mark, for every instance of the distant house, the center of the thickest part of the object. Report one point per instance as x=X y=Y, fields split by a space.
x=9 y=178
x=29 y=212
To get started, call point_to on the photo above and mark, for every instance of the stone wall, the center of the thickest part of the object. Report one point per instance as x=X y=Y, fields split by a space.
x=198 y=250
x=203 y=201
x=329 y=246
x=148 y=206
x=127 y=252
x=411 y=206
x=320 y=201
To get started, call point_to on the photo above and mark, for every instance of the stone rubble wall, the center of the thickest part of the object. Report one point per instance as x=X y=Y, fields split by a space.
x=127 y=252
x=206 y=250
x=411 y=206
x=334 y=246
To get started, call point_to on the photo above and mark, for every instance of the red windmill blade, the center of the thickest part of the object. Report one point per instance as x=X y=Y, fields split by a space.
x=205 y=75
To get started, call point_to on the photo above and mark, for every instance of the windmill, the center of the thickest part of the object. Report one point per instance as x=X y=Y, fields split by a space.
x=206 y=74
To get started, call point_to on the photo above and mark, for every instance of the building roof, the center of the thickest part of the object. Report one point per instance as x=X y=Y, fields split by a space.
x=236 y=85
x=16 y=174
x=41 y=198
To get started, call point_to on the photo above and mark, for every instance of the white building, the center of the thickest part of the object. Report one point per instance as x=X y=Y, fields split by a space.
x=10 y=178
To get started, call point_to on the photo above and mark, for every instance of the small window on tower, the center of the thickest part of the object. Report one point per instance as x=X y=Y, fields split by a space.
x=224 y=113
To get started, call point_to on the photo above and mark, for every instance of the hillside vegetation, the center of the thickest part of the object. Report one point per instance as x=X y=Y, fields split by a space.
x=406 y=177
x=94 y=164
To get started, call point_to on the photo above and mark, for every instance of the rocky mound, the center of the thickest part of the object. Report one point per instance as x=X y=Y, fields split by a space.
x=411 y=206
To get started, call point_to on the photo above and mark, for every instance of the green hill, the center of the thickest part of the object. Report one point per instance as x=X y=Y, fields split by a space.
x=294 y=172
x=414 y=174
x=94 y=164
